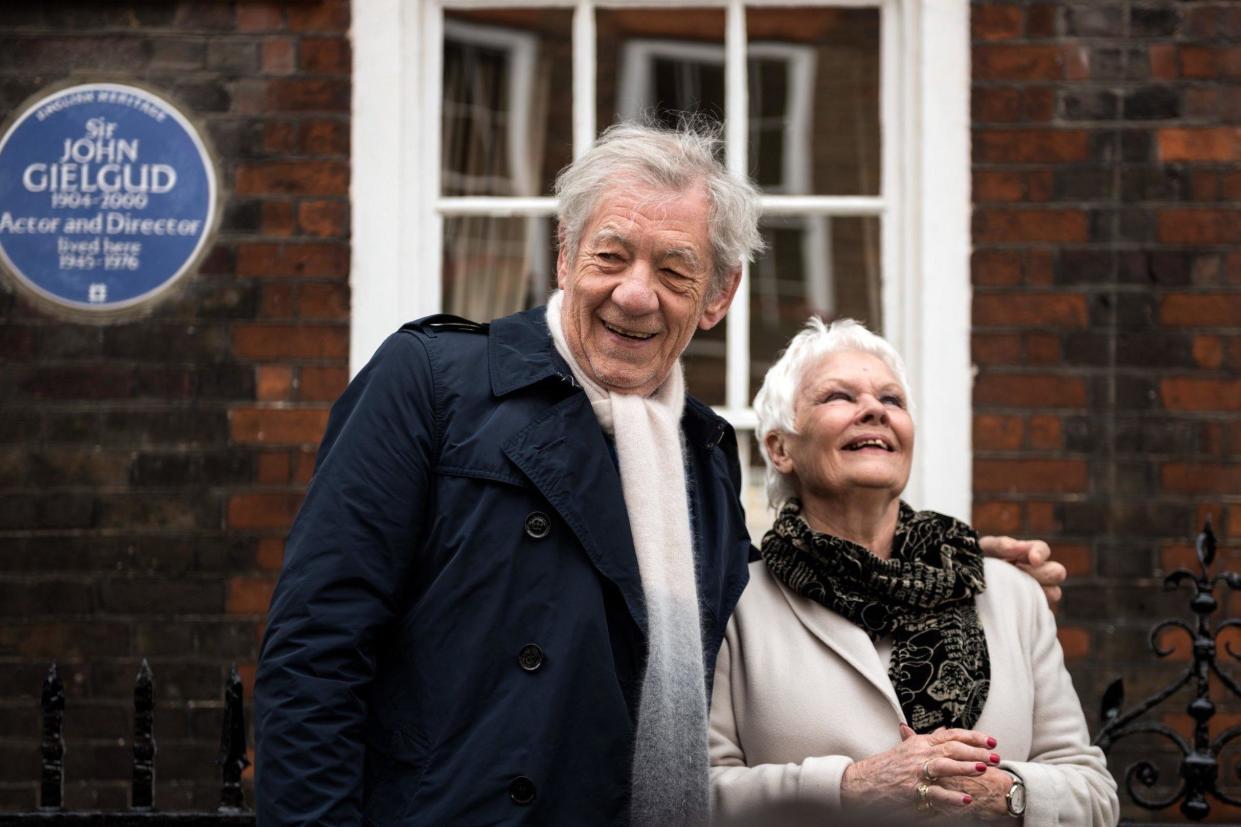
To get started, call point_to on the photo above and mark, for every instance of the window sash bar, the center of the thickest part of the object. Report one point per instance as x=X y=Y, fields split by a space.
x=427 y=297
x=736 y=109
x=583 y=78
x=842 y=205
x=770 y=205
x=655 y=4
x=498 y=206
x=742 y=419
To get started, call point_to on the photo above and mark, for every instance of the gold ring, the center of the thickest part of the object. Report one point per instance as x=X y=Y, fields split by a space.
x=924 y=796
x=926 y=770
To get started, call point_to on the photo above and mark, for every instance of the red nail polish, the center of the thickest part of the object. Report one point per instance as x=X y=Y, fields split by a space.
x=990 y=743
x=995 y=759
x=980 y=767
x=965 y=799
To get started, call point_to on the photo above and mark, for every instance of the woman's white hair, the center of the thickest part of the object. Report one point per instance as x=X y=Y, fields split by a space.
x=670 y=160
x=776 y=401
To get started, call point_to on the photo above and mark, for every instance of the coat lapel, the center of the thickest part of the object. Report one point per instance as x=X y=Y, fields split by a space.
x=845 y=639
x=564 y=454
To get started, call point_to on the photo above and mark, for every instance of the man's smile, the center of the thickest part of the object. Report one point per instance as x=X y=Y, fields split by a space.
x=636 y=335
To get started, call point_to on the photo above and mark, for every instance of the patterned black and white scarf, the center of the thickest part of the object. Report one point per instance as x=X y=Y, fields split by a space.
x=923 y=597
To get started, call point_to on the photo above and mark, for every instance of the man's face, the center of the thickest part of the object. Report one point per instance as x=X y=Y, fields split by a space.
x=638 y=286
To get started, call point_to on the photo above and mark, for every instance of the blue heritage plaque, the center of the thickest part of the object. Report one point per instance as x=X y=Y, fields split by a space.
x=107 y=196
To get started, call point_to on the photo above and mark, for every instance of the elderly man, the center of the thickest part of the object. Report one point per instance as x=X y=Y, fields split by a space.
x=504 y=595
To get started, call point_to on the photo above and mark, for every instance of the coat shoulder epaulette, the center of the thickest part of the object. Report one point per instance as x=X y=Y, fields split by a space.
x=445 y=322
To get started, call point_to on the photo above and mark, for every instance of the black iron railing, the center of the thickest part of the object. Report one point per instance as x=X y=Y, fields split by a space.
x=1199 y=755
x=232 y=760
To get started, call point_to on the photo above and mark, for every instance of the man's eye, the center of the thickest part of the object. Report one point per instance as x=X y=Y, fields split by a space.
x=675 y=274
x=610 y=257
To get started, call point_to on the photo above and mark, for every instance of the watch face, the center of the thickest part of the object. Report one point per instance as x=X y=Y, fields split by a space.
x=1017 y=798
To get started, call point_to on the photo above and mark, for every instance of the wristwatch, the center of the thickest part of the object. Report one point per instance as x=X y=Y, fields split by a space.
x=1016 y=798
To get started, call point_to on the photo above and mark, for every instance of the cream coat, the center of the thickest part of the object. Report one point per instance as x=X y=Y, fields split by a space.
x=800 y=692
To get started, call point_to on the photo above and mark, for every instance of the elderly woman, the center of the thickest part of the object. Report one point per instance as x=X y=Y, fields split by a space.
x=876 y=661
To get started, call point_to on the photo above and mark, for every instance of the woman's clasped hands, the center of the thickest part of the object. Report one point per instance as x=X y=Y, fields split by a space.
x=948 y=771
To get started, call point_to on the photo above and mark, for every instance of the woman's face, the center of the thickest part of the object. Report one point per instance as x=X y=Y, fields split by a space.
x=853 y=429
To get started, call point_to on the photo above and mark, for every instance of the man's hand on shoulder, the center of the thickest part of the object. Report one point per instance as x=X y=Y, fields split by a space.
x=1031 y=556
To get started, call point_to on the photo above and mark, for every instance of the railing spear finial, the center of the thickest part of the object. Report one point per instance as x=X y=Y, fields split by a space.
x=232 y=756
x=1198 y=776
x=52 y=776
x=143 y=794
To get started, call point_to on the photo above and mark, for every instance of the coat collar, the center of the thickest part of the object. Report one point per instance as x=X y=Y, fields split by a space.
x=843 y=637
x=520 y=352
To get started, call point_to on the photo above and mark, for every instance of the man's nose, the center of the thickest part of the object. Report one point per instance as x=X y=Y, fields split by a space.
x=635 y=294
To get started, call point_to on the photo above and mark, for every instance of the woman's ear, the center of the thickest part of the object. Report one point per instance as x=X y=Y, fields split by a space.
x=777 y=449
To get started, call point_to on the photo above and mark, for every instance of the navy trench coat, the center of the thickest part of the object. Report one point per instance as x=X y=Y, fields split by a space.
x=457 y=636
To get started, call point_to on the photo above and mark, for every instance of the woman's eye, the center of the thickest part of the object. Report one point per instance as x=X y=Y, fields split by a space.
x=837 y=396
x=893 y=400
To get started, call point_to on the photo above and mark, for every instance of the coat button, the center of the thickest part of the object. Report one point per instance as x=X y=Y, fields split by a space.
x=530 y=657
x=521 y=790
x=538 y=524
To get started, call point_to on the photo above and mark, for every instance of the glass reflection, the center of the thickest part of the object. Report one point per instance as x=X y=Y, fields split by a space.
x=813 y=84
x=496 y=266
x=814 y=265
x=704 y=362
x=660 y=65
x=507 y=97
x=820 y=265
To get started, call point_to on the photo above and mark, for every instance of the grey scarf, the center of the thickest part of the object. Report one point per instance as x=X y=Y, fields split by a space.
x=670 y=777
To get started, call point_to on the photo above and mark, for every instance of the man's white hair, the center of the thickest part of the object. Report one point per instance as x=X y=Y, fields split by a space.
x=669 y=160
x=776 y=401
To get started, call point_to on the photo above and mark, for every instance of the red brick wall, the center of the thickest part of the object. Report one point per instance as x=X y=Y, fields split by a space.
x=1107 y=305
x=149 y=470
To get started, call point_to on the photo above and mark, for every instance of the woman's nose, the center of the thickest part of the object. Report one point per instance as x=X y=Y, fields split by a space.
x=635 y=294
x=872 y=409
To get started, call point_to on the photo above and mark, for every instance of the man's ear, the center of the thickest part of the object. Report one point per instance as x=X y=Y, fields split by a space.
x=562 y=256
x=718 y=306
x=777 y=449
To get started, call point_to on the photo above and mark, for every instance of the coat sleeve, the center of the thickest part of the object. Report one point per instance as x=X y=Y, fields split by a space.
x=765 y=793
x=345 y=563
x=1066 y=778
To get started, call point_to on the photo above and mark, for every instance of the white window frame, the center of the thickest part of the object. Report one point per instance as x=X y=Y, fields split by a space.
x=925 y=200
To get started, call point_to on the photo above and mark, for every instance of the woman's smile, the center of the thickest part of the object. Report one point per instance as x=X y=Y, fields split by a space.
x=853 y=428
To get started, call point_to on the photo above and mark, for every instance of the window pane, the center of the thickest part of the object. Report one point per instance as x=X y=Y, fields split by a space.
x=508 y=95
x=659 y=63
x=496 y=266
x=821 y=265
x=813 y=81
x=664 y=64
x=704 y=365
x=814 y=265
x=758 y=516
